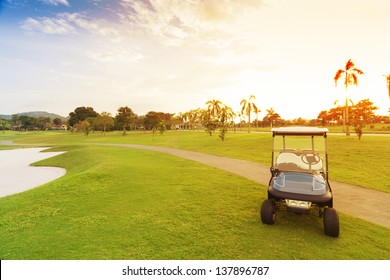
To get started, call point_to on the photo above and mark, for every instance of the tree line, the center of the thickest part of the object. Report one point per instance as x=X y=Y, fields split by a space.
x=214 y=117
x=86 y=119
x=217 y=117
x=24 y=122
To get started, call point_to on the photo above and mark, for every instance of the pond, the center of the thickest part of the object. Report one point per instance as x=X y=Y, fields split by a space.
x=16 y=174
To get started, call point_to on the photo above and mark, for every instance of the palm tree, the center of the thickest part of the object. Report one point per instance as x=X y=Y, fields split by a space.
x=214 y=107
x=257 y=111
x=271 y=116
x=239 y=115
x=350 y=73
x=229 y=113
x=197 y=117
x=180 y=118
x=247 y=107
x=193 y=116
x=226 y=114
x=185 y=118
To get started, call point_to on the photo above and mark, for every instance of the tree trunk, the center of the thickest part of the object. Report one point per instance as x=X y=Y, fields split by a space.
x=346 y=118
x=346 y=127
x=249 y=123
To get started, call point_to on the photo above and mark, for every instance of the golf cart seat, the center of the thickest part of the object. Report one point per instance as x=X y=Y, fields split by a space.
x=288 y=161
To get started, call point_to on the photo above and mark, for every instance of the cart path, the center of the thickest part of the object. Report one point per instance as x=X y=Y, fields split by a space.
x=370 y=205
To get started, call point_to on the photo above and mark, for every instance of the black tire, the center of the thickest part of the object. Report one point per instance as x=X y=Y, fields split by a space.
x=331 y=222
x=268 y=212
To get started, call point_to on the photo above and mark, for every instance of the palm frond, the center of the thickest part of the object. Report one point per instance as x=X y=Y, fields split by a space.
x=354 y=79
x=338 y=75
x=358 y=71
x=349 y=65
x=243 y=105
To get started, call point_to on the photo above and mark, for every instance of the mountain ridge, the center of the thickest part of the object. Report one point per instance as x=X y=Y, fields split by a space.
x=35 y=114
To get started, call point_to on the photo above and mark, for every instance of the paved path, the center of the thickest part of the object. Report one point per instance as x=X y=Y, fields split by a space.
x=366 y=204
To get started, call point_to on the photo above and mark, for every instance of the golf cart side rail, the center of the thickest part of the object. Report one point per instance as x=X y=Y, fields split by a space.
x=298 y=131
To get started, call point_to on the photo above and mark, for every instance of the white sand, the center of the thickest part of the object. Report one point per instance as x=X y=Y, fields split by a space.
x=17 y=176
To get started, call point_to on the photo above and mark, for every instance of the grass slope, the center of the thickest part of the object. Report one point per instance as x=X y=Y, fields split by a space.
x=121 y=203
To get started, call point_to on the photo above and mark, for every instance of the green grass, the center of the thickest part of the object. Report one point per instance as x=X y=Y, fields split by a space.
x=368 y=129
x=364 y=163
x=121 y=203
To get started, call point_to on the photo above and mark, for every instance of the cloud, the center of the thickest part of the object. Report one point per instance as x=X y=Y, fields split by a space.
x=71 y=23
x=98 y=27
x=169 y=22
x=47 y=25
x=122 y=56
x=184 y=22
x=56 y=2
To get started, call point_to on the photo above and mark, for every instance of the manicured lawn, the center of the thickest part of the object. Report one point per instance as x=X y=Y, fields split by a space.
x=364 y=163
x=369 y=129
x=122 y=203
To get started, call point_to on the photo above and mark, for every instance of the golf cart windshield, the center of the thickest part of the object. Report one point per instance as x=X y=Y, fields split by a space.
x=300 y=149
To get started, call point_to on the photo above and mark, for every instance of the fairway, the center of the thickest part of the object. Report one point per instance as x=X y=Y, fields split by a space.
x=120 y=203
x=363 y=163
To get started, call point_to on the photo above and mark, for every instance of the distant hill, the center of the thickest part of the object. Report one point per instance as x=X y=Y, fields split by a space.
x=35 y=114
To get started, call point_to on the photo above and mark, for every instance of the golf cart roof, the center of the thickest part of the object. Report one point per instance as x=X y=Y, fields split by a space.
x=304 y=130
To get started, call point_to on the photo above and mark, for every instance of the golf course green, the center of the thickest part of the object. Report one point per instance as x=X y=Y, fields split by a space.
x=122 y=203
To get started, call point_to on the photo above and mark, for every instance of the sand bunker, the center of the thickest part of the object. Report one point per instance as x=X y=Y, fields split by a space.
x=17 y=176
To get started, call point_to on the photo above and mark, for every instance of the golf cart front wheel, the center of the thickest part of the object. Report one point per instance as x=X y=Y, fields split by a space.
x=268 y=212
x=331 y=222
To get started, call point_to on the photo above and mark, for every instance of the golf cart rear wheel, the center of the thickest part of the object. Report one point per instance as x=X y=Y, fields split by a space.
x=331 y=222
x=268 y=212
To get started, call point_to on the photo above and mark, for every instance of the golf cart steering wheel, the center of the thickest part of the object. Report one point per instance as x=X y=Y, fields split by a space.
x=310 y=158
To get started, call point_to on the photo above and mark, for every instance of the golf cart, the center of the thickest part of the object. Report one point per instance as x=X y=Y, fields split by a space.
x=299 y=181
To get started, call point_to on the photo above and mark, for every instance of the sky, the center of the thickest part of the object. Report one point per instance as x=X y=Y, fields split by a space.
x=175 y=55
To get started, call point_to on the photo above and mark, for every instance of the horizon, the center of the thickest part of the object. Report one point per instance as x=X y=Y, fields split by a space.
x=174 y=114
x=173 y=56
